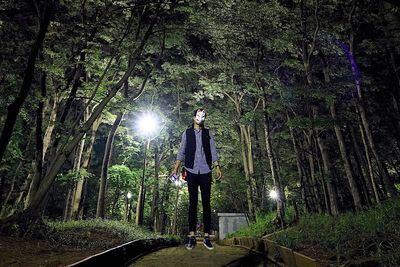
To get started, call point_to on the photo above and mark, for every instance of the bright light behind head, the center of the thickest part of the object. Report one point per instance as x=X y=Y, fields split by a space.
x=273 y=194
x=148 y=124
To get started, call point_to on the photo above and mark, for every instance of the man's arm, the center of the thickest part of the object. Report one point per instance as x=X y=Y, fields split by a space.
x=181 y=154
x=218 y=169
x=214 y=157
x=176 y=167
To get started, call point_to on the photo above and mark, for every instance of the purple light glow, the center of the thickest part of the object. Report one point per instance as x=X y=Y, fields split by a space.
x=354 y=66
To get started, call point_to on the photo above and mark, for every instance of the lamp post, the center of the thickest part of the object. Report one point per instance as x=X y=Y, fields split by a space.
x=274 y=195
x=147 y=126
x=128 y=206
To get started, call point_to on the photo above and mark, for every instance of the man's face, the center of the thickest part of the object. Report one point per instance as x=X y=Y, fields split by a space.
x=200 y=116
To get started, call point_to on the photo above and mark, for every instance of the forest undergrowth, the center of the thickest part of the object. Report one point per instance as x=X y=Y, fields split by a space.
x=61 y=243
x=96 y=234
x=371 y=236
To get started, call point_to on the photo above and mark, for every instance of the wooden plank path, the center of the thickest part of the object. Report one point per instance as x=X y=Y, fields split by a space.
x=199 y=257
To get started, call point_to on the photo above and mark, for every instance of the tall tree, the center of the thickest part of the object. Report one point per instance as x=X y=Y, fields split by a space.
x=14 y=108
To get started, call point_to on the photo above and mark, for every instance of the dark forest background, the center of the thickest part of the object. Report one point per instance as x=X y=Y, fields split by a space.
x=302 y=97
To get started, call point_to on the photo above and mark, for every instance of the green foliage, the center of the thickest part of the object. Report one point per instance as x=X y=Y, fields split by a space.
x=174 y=238
x=73 y=176
x=121 y=176
x=262 y=226
x=224 y=56
x=374 y=233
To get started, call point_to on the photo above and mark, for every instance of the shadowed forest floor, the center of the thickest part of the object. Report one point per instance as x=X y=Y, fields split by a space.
x=21 y=252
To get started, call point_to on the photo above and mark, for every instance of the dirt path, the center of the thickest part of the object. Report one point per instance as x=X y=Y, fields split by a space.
x=199 y=257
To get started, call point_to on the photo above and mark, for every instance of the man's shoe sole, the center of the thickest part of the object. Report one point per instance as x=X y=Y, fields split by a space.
x=208 y=247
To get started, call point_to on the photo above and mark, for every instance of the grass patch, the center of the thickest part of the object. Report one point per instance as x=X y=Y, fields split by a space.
x=263 y=225
x=174 y=238
x=373 y=234
x=95 y=234
x=370 y=236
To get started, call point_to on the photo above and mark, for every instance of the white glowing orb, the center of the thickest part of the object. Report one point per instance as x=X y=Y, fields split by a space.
x=148 y=124
x=129 y=195
x=273 y=194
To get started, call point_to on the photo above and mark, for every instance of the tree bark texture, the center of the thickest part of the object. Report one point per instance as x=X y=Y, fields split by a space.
x=314 y=190
x=329 y=177
x=142 y=191
x=387 y=181
x=155 y=202
x=346 y=160
x=100 y=211
x=51 y=123
x=74 y=187
x=36 y=173
x=300 y=171
x=251 y=202
x=78 y=197
x=274 y=170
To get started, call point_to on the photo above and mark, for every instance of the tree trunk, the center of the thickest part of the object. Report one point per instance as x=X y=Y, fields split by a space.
x=363 y=182
x=323 y=182
x=155 y=203
x=329 y=177
x=300 y=169
x=68 y=201
x=14 y=108
x=369 y=164
x=311 y=160
x=274 y=171
x=163 y=214
x=78 y=198
x=346 y=160
x=36 y=172
x=100 y=212
x=142 y=193
x=80 y=212
x=51 y=124
x=249 y=189
x=248 y=142
x=387 y=181
x=175 y=219
x=74 y=188
x=363 y=166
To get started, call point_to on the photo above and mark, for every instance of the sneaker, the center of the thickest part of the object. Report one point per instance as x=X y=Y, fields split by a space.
x=207 y=243
x=192 y=243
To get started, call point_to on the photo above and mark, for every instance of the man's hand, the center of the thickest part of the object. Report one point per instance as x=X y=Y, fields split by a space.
x=176 y=167
x=219 y=173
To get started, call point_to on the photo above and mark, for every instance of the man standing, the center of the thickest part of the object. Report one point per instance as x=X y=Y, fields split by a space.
x=198 y=151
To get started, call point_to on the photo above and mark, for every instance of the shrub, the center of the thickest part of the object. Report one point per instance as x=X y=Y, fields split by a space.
x=95 y=234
